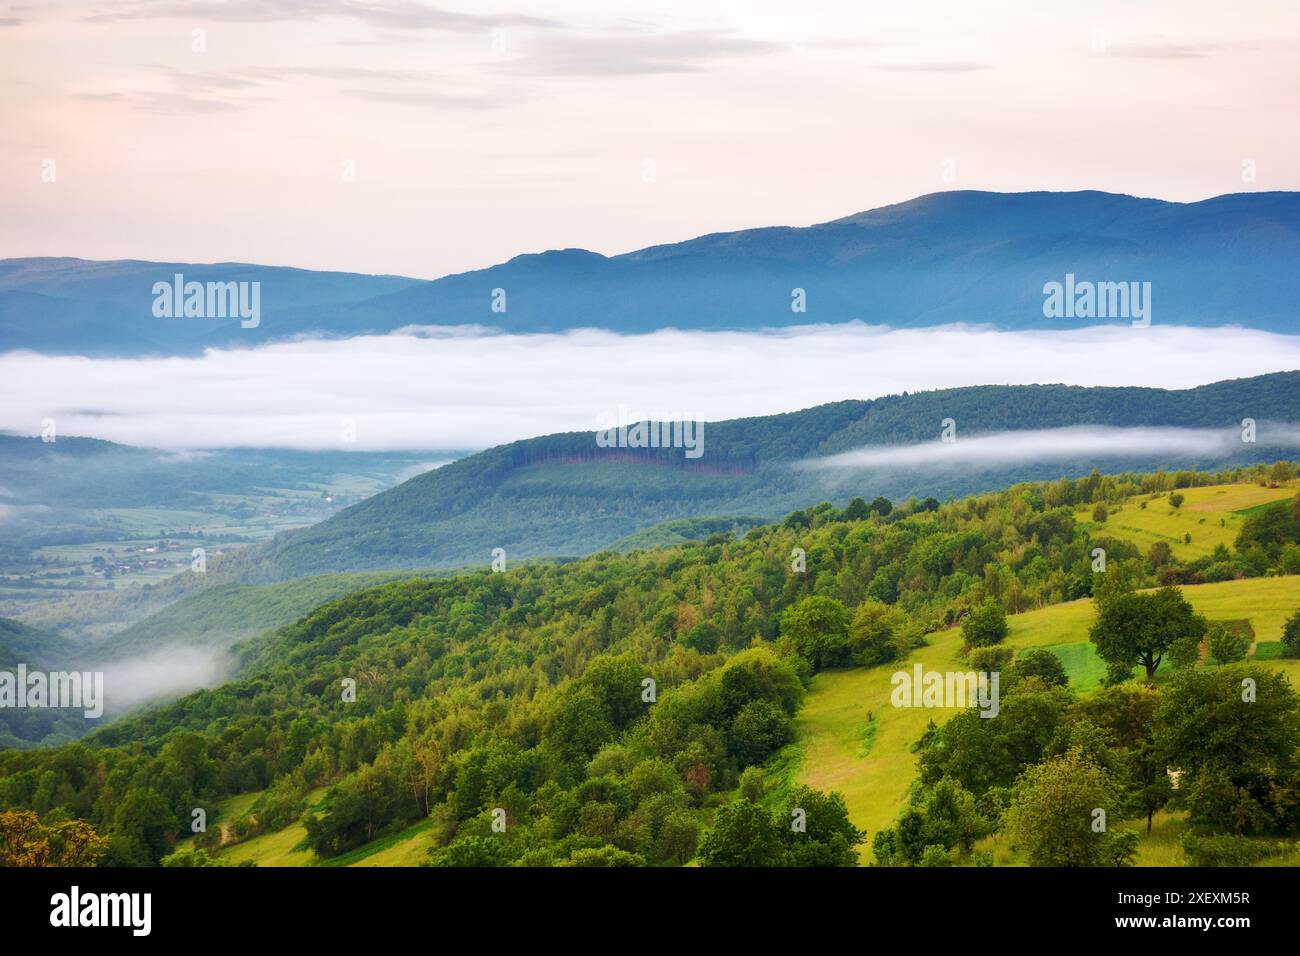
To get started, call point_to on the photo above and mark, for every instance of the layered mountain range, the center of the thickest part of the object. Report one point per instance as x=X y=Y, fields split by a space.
x=960 y=256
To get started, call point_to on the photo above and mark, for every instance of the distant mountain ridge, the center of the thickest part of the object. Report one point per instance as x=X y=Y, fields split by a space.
x=88 y=307
x=960 y=256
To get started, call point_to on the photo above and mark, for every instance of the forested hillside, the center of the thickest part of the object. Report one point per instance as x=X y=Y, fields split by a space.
x=564 y=495
x=629 y=709
x=36 y=648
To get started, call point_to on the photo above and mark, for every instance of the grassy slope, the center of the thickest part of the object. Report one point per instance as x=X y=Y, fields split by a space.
x=272 y=849
x=1199 y=515
x=408 y=848
x=874 y=786
x=268 y=849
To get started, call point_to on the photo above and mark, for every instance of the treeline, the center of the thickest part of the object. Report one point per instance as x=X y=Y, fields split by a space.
x=606 y=710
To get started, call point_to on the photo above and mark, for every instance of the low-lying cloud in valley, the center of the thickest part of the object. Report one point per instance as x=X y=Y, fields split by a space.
x=162 y=675
x=469 y=388
x=1056 y=444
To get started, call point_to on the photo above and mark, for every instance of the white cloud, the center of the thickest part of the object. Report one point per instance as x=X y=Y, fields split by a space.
x=755 y=113
x=1054 y=444
x=407 y=474
x=15 y=512
x=467 y=388
x=162 y=675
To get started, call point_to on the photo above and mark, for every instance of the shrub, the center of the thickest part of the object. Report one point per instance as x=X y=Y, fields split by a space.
x=753 y=785
x=1228 y=850
x=1291 y=636
x=1051 y=815
x=827 y=838
x=815 y=629
x=935 y=855
x=743 y=834
x=189 y=858
x=603 y=856
x=884 y=847
x=877 y=634
x=1225 y=646
x=991 y=659
x=471 y=851
x=1220 y=571
x=1044 y=665
x=703 y=637
x=760 y=729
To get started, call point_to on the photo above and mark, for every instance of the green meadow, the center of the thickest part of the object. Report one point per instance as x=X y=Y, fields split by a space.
x=875 y=783
x=1211 y=515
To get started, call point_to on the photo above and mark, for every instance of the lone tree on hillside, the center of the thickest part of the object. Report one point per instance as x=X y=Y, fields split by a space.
x=1138 y=629
x=985 y=624
x=1160 y=554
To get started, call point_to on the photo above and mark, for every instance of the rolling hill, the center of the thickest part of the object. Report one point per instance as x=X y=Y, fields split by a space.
x=563 y=495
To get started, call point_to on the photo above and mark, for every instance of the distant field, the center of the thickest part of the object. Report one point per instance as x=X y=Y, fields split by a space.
x=102 y=533
x=1211 y=515
x=874 y=786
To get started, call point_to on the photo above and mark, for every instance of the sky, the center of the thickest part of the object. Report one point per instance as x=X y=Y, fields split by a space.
x=418 y=139
x=444 y=389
